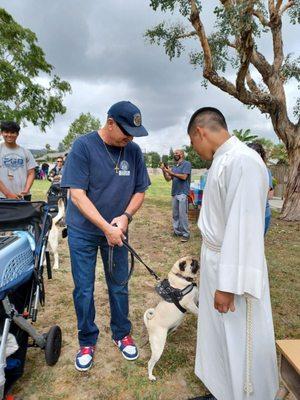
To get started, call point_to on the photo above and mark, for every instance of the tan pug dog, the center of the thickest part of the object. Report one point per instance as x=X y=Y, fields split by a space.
x=166 y=316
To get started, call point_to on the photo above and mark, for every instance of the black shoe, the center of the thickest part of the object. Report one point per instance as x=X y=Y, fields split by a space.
x=206 y=397
x=185 y=239
x=177 y=234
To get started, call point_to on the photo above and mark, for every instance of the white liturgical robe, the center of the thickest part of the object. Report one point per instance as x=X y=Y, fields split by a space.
x=236 y=357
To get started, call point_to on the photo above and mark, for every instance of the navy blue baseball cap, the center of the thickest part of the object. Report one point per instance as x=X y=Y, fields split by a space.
x=129 y=117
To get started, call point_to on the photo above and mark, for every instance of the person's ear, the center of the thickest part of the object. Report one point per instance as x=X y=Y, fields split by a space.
x=110 y=123
x=200 y=132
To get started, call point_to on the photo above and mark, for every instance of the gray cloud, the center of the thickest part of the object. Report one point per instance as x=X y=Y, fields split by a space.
x=99 y=47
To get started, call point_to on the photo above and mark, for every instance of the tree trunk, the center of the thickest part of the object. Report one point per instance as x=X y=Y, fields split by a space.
x=291 y=206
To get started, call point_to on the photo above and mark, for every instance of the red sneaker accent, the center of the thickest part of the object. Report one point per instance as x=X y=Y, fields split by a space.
x=87 y=350
x=127 y=341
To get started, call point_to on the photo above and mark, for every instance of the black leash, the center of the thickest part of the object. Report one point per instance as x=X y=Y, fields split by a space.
x=133 y=254
x=163 y=288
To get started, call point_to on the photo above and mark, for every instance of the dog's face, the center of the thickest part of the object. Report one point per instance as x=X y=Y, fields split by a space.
x=186 y=266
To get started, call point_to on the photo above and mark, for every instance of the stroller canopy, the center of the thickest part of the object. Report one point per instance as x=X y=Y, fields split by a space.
x=18 y=212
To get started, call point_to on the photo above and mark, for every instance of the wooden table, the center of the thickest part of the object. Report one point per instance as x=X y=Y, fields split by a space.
x=289 y=368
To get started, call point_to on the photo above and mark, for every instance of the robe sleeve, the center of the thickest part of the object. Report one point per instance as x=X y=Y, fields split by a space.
x=242 y=258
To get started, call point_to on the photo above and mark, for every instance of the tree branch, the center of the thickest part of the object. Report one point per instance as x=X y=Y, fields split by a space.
x=187 y=35
x=286 y=7
x=271 y=7
x=199 y=28
x=245 y=50
x=251 y=83
x=276 y=29
x=262 y=65
x=261 y=17
x=278 y=4
x=262 y=100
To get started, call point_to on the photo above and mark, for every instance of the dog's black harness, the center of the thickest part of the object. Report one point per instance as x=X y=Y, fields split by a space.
x=163 y=288
x=173 y=295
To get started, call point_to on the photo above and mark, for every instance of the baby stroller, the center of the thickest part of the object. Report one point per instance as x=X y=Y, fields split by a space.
x=24 y=230
x=55 y=193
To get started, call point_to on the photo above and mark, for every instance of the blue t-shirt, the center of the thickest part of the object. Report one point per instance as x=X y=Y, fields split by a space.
x=271 y=187
x=180 y=186
x=90 y=167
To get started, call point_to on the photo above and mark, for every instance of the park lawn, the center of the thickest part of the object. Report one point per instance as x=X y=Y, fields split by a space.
x=112 y=377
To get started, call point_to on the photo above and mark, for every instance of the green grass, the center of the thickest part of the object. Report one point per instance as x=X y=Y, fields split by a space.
x=114 y=378
x=39 y=189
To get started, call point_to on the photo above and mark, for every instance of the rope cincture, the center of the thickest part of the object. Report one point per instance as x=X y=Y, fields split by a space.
x=248 y=386
x=211 y=246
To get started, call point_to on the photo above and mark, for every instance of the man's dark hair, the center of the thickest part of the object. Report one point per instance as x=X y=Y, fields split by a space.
x=258 y=147
x=9 y=126
x=207 y=116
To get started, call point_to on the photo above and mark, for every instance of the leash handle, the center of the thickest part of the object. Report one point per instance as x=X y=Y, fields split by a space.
x=111 y=264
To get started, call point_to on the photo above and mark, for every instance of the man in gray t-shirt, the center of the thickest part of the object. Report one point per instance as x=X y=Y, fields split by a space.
x=180 y=174
x=16 y=164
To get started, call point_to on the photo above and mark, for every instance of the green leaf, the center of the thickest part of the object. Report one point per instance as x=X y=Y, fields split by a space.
x=83 y=124
x=22 y=61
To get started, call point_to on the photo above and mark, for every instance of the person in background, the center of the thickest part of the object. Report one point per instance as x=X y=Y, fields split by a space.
x=55 y=174
x=180 y=175
x=45 y=169
x=17 y=165
x=261 y=151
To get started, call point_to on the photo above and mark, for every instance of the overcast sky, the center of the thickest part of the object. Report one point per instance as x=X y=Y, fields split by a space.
x=98 y=46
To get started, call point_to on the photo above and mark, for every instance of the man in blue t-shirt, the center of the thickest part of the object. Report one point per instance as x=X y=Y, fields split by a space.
x=180 y=175
x=107 y=178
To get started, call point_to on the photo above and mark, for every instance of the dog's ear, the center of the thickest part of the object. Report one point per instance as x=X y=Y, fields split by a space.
x=195 y=265
x=182 y=265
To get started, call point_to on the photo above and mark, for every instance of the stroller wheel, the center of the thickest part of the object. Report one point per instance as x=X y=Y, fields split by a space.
x=53 y=345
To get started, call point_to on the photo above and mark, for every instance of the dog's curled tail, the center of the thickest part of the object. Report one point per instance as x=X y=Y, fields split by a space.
x=149 y=314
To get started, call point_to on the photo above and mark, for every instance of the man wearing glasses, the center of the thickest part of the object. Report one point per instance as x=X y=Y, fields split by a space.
x=56 y=172
x=107 y=178
x=16 y=165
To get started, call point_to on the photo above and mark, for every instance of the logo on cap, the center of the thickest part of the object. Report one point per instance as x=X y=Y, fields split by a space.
x=137 y=120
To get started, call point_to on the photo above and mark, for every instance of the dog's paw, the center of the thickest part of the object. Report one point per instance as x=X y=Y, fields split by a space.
x=152 y=378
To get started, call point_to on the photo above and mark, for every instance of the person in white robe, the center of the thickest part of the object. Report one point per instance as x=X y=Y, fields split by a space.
x=236 y=355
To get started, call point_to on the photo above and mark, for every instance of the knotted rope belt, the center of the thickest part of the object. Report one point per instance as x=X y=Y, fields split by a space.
x=248 y=385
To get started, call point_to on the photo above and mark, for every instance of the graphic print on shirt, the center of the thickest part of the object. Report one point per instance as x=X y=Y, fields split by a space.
x=124 y=168
x=12 y=161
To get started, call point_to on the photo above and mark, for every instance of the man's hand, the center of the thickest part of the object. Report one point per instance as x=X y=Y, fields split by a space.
x=121 y=222
x=23 y=193
x=114 y=236
x=168 y=170
x=224 y=301
x=13 y=196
